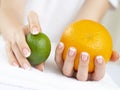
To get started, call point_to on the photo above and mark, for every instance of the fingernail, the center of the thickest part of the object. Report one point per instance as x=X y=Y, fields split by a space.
x=84 y=56
x=35 y=30
x=26 y=66
x=42 y=68
x=60 y=45
x=15 y=65
x=26 y=52
x=72 y=51
x=99 y=59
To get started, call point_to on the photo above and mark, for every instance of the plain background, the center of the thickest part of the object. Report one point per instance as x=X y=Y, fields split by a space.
x=112 y=22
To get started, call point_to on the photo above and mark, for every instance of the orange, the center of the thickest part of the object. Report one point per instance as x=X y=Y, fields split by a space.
x=87 y=36
x=40 y=46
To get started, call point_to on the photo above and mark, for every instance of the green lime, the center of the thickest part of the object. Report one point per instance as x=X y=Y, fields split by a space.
x=40 y=48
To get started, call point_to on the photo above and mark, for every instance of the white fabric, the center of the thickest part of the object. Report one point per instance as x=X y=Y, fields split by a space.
x=114 y=3
x=12 y=78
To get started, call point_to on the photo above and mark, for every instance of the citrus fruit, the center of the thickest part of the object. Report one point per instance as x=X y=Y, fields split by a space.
x=40 y=48
x=87 y=36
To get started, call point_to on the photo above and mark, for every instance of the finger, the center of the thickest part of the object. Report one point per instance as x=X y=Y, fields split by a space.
x=69 y=62
x=20 y=58
x=11 y=58
x=22 y=45
x=115 y=56
x=40 y=67
x=89 y=77
x=82 y=73
x=99 y=68
x=34 y=23
x=58 y=55
x=26 y=29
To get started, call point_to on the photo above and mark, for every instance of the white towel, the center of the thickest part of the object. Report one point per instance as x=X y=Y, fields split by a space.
x=51 y=79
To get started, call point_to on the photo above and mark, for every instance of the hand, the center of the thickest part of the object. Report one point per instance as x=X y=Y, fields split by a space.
x=82 y=74
x=16 y=46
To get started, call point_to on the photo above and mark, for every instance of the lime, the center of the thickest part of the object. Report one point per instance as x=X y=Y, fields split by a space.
x=40 y=48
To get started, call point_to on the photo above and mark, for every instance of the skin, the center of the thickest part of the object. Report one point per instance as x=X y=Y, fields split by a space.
x=88 y=11
x=17 y=48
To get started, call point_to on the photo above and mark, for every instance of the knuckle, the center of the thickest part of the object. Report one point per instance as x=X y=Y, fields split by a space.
x=13 y=44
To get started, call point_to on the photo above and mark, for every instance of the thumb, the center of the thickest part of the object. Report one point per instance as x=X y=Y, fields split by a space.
x=115 y=56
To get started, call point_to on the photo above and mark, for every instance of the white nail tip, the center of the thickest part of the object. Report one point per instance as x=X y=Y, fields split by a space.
x=99 y=59
x=84 y=56
x=61 y=45
x=72 y=51
x=26 y=67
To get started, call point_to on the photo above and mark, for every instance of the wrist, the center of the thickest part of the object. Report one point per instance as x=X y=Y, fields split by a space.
x=7 y=21
x=93 y=10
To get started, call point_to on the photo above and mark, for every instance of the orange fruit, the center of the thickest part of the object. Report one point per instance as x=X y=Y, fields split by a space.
x=87 y=36
x=40 y=46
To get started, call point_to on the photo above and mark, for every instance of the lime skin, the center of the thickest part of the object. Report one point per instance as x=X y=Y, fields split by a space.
x=40 y=46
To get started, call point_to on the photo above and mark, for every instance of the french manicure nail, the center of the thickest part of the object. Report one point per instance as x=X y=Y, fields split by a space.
x=26 y=66
x=35 y=30
x=60 y=45
x=72 y=51
x=15 y=64
x=26 y=52
x=42 y=68
x=84 y=56
x=99 y=59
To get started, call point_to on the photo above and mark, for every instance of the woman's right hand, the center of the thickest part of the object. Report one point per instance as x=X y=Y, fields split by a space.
x=67 y=66
x=16 y=47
